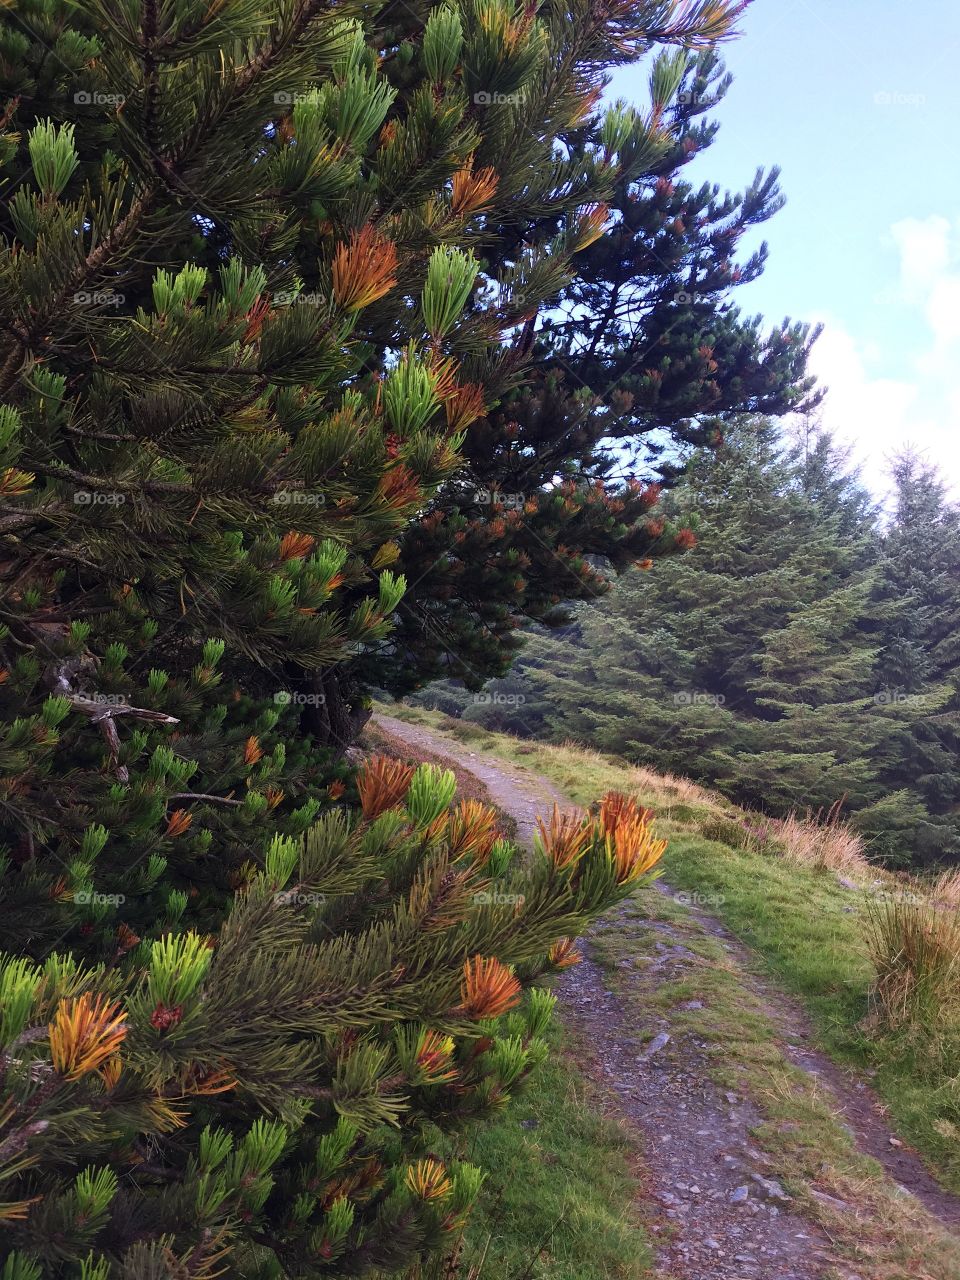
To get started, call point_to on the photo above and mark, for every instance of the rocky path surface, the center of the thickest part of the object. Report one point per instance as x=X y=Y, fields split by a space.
x=722 y=1216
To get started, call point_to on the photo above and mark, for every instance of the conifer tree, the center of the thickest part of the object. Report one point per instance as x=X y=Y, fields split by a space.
x=243 y=998
x=643 y=356
x=919 y=662
x=755 y=663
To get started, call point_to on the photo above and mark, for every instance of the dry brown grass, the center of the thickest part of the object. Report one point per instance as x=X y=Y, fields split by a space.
x=824 y=842
x=945 y=890
x=661 y=791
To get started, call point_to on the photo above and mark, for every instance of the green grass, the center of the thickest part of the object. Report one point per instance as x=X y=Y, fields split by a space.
x=805 y=928
x=560 y=1199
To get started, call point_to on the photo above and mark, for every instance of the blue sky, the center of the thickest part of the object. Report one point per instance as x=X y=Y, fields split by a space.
x=856 y=101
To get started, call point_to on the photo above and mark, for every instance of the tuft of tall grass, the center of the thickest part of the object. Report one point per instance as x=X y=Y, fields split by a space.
x=823 y=840
x=945 y=890
x=915 y=950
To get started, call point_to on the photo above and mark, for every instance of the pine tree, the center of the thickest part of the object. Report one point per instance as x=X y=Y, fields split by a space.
x=243 y=996
x=754 y=663
x=919 y=662
x=643 y=356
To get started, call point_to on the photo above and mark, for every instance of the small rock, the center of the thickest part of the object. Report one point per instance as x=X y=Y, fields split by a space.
x=845 y=883
x=731 y=1097
x=711 y=1243
x=656 y=1044
x=740 y=1195
x=529 y=1124
x=895 y=1142
x=770 y=1188
x=692 y=1004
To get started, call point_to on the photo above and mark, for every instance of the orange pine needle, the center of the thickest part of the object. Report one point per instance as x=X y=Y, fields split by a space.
x=615 y=807
x=472 y=191
x=364 y=269
x=564 y=953
x=434 y=1057
x=488 y=988
x=428 y=1180
x=464 y=406
x=14 y=482
x=84 y=1033
x=17 y=1210
x=567 y=838
x=472 y=831
x=201 y=1082
x=398 y=487
x=178 y=822
x=252 y=751
x=294 y=546
x=445 y=377
x=584 y=107
x=382 y=784
x=590 y=225
x=126 y=938
x=632 y=849
x=111 y=1071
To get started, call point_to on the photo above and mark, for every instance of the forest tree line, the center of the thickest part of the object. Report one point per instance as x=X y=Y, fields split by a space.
x=803 y=654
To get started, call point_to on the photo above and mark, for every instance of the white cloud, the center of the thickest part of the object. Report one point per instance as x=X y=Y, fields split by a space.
x=880 y=414
x=924 y=247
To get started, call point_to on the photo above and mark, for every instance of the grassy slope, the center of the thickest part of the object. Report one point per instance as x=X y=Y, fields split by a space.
x=805 y=926
x=559 y=1201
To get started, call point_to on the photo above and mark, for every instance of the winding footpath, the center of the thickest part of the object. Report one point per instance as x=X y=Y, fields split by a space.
x=720 y=1215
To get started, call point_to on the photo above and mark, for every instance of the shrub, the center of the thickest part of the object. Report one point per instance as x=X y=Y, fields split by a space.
x=915 y=949
x=266 y=1095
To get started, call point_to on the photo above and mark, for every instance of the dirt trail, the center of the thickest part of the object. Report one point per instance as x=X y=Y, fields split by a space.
x=723 y=1217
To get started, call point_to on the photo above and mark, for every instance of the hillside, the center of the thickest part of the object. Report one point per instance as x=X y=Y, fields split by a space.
x=720 y=1020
